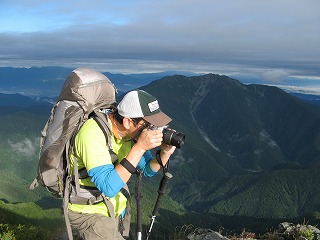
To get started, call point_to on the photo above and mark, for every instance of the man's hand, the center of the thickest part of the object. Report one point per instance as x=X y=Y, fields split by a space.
x=149 y=139
x=166 y=152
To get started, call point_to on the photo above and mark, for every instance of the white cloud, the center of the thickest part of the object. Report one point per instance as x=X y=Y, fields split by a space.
x=313 y=90
x=178 y=159
x=275 y=75
x=26 y=147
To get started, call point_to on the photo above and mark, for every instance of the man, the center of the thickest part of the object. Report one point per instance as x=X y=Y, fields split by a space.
x=131 y=140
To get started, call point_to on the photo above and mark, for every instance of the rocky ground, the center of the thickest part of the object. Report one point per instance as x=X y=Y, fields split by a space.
x=285 y=231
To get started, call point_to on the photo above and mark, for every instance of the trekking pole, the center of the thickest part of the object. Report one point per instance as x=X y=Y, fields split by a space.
x=161 y=192
x=139 y=209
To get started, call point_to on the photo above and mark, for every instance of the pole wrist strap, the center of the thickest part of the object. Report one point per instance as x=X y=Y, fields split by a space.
x=159 y=160
x=127 y=165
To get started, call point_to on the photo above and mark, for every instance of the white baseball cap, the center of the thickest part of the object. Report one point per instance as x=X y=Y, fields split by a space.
x=140 y=104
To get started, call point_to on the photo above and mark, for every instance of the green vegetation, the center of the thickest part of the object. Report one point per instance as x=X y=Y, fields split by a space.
x=22 y=232
x=306 y=234
x=29 y=221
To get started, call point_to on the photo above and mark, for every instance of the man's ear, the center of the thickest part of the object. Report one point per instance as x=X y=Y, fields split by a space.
x=126 y=123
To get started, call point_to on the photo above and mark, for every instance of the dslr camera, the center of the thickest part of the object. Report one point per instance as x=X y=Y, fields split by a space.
x=170 y=136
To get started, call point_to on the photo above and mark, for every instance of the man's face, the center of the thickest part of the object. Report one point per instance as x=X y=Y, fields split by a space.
x=135 y=126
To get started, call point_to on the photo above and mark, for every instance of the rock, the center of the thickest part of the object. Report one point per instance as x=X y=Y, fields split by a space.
x=301 y=232
x=285 y=227
x=205 y=234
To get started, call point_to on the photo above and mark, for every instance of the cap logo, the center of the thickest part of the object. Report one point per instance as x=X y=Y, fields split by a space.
x=153 y=106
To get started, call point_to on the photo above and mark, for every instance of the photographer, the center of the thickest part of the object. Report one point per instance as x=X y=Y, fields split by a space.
x=132 y=138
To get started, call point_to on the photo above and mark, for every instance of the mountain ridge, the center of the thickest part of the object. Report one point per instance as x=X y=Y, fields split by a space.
x=250 y=106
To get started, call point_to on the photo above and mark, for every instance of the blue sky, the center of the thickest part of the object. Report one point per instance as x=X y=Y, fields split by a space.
x=273 y=41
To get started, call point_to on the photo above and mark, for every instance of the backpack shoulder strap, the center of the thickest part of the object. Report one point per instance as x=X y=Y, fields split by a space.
x=102 y=121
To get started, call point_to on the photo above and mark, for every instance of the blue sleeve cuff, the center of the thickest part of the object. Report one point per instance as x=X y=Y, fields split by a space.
x=144 y=164
x=106 y=179
x=149 y=171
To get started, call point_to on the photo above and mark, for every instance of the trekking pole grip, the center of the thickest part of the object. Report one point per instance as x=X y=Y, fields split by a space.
x=161 y=191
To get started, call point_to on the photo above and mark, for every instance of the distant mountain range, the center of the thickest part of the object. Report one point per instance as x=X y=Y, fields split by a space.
x=12 y=103
x=47 y=81
x=251 y=156
x=310 y=98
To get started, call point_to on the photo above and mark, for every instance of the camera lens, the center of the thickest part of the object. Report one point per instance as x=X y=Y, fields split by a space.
x=173 y=138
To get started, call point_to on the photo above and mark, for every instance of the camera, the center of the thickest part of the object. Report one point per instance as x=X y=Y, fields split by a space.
x=170 y=136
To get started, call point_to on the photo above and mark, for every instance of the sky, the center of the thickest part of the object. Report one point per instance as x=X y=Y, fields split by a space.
x=267 y=41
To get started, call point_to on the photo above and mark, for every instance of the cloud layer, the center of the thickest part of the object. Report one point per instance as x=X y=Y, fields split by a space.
x=271 y=39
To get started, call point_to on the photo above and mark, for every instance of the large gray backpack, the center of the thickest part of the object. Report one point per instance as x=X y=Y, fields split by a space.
x=84 y=93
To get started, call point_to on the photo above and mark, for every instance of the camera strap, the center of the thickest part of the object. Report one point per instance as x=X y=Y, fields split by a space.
x=137 y=134
x=159 y=160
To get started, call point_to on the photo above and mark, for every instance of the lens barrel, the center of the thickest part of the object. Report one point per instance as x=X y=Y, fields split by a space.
x=173 y=138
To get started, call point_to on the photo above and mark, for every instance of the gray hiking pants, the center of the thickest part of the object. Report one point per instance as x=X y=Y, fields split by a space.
x=94 y=226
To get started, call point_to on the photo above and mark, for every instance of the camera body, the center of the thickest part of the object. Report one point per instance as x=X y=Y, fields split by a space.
x=170 y=136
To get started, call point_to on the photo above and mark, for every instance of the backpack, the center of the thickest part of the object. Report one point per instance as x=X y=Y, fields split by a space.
x=84 y=93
